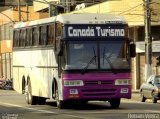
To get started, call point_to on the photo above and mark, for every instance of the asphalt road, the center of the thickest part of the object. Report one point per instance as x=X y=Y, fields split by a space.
x=13 y=106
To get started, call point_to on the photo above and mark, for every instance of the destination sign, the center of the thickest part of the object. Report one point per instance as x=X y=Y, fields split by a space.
x=95 y=31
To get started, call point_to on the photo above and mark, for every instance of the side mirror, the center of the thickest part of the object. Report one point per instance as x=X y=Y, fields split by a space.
x=132 y=49
x=150 y=82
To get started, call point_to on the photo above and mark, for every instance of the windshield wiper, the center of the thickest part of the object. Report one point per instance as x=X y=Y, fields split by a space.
x=92 y=59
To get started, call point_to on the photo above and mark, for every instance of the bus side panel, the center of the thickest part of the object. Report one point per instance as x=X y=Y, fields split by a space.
x=38 y=65
x=20 y=62
x=44 y=62
x=16 y=81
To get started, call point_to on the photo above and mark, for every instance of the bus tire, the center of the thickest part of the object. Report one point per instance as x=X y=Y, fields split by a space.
x=29 y=98
x=115 y=102
x=60 y=104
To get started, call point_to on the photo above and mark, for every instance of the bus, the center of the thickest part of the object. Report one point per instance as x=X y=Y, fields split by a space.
x=73 y=58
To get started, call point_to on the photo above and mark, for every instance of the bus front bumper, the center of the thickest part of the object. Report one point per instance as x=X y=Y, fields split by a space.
x=96 y=93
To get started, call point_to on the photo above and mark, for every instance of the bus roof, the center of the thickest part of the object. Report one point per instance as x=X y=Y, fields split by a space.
x=84 y=18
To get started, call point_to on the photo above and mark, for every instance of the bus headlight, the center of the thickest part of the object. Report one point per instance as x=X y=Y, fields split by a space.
x=73 y=83
x=123 y=82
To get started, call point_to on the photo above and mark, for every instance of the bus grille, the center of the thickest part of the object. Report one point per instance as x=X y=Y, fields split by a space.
x=99 y=92
x=99 y=82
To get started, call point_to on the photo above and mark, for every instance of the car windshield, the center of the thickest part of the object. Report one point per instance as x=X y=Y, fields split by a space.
x=95 y=55
x=157 y=79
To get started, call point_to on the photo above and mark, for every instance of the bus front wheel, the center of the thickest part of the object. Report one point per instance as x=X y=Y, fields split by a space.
x=28 y=94
x=115 y=102
x=60 y=104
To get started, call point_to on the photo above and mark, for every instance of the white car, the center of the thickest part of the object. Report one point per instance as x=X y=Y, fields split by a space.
x=151 y=89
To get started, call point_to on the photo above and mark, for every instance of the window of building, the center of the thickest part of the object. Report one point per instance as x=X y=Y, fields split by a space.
x=2 y=32
x=7 y=30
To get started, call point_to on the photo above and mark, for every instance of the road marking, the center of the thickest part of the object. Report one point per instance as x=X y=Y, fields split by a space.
x=8 y=104
x=39 y=110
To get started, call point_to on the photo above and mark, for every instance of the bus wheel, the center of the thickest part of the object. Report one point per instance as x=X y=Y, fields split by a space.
x=115 y=102
x=28 y=95
x=60 y=104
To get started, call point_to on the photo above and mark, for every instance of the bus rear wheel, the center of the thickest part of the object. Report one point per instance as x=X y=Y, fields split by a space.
x=28 y=94
x=115 y=102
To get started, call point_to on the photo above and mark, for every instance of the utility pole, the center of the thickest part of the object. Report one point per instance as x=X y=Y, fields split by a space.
x=27 y=12
x=148 y=40
x=19 y=10
x=52 y=9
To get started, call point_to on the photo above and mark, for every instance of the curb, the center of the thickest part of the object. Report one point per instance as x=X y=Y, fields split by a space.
x=135 y=91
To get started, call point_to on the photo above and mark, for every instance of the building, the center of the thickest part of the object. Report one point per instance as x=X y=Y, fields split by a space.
x=133 y=11
x=8 y=17
x=29 y=10
x=62 y=6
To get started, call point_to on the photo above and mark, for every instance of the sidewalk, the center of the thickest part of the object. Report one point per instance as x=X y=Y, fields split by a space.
x=135 y=95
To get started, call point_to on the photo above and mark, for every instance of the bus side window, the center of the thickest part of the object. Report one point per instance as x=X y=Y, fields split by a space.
x=22 y=37
x=27 y=42
x=30 y=36
x=35 y=40
x=43 y=35
x=50 y=34
x=15 y=38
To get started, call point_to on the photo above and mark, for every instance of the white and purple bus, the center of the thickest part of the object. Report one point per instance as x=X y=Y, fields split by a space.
x=73 y=58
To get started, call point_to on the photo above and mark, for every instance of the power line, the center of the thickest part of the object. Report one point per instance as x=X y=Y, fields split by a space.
x=7 y=17
x=131 y=9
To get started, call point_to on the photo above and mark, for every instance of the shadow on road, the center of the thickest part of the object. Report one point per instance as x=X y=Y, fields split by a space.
x=106 y=106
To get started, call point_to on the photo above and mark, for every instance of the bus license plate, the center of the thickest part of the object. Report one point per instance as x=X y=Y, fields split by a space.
x=124 y=90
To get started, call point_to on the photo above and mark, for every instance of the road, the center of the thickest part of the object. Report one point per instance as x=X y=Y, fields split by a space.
x=13 y=106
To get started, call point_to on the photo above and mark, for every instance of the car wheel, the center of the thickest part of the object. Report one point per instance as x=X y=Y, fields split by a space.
x=154 y=100
x=143 y=99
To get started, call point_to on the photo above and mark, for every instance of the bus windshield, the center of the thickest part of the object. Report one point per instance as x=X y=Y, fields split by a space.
x=113 y=55
x=93 y=55
x=80 y=54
